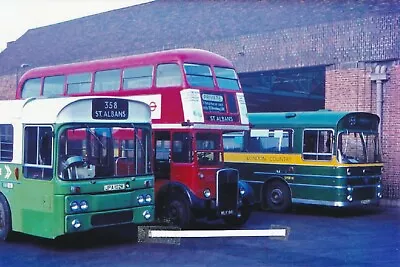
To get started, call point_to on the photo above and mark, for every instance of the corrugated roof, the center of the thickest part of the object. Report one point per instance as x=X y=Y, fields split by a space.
x=174 y=23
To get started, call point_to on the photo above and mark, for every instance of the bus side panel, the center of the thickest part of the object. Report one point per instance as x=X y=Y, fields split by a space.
x=36 y=207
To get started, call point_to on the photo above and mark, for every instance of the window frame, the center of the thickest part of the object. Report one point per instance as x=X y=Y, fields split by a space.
x=44 y=85
x=90 y=82
x=137 y=77
x=199 y=75
x=156 y=76
x=40 y=79
x=95 y=77
x=42 y=167
x=289 y=131
x=330 y=155
x=3 y=128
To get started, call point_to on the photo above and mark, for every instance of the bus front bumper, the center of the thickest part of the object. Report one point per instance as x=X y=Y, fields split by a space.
x=86 y=221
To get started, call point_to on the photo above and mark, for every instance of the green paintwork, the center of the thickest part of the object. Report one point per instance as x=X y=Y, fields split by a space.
x=317 y=184
x=41 y=207
x=306 y=119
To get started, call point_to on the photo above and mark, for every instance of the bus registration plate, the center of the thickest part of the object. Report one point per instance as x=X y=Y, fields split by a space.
x=114 y=187
x=366 y=201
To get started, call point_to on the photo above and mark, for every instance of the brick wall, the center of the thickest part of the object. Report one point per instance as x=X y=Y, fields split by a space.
x=352 y=89
x=7 y=87
x=391 y=132
x=358 y=40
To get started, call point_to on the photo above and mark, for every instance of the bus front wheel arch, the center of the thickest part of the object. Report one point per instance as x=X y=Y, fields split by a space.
x=173 y=208
x=277 y=196
x=5 y=219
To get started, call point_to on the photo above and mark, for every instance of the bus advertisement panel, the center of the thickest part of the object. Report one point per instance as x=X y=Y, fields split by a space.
x=320 y=158
x=62 y=172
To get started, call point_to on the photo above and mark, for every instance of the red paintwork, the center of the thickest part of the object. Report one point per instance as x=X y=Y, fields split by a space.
x=172 y=111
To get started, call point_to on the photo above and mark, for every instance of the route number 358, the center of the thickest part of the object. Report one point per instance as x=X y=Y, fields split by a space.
x=110 y=105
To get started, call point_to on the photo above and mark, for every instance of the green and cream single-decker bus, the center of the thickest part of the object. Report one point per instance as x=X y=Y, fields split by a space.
x=61 y=171
x=322 y=158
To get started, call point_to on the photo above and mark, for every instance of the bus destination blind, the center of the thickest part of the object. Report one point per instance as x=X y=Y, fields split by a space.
x=109 y=109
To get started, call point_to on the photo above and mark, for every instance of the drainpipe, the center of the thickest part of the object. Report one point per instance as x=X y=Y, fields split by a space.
x=379 y=75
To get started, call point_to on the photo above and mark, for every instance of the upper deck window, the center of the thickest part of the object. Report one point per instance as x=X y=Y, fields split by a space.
x=168 y=75
x=79 y=83
x=227 y=78
x=199 y=75
x=108 y=80
x=139 y=77
x=53 y=86
x=31 y=88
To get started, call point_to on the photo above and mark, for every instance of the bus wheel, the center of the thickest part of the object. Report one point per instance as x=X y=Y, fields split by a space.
x=5 y=219
x=245 y=212
x=278 y=196
x=177 y=212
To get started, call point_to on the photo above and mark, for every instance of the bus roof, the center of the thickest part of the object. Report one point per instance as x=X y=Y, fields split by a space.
x=57 y=110
x=321 y=118
x=184 y=54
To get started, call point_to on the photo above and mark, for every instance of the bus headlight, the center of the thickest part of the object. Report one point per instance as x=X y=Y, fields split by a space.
x=146 y=214
x=84 y=205
x=242 y=191
x=349 y=189
x=350 y=198
x=74 y=206
x=148 y=198
x=140 y=199
x=379 y=190
x=76 y=223
x=207 y=193
x=348 y=171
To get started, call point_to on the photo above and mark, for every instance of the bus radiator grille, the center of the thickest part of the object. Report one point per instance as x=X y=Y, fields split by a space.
x=112 y=218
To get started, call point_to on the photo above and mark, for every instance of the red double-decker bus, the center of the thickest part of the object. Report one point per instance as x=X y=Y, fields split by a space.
x=195 y=96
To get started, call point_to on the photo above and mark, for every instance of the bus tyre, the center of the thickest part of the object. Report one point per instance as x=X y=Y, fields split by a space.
x=177 y=212
x=5 y=219
x=278 y=196
x=245 y=212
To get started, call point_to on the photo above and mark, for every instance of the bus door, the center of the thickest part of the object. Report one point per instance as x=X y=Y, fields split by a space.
x=182 y=167
x=36 y=187
x=162 y=169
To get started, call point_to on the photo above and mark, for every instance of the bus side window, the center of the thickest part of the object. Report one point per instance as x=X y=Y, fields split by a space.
x=107 y=80
x=233 y=143
x=271 y=141
x=38 y=144
x=317 y=144
x=162 y=160
x=31 y=88
x=6 y=142
x=168 y=75
x=53 y=86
